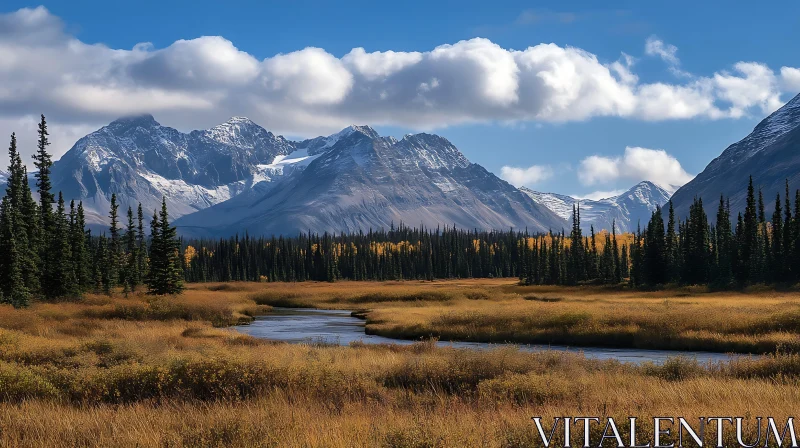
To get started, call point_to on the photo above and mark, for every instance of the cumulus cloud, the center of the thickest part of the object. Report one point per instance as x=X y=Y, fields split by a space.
x=526 y=176
x=200 y=82
x=636 y=164
x=791 y=78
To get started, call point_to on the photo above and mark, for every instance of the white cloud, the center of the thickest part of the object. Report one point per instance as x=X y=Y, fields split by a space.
x=654 y=46
x=201 y=82
x=791 y=78
x=757 y=87
x=526 y=176
x=636 y=164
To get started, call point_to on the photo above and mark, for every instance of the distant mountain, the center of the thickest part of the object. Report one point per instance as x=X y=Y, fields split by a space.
x=357 y=180
x=348 y=181
x=141 y=161
x=771 y=154
x=627 y=209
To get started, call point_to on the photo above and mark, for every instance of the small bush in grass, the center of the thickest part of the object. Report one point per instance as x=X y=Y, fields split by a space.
x=676 y=368
x=19 y=383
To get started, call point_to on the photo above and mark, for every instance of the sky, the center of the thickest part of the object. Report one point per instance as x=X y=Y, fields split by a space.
x=578 y=97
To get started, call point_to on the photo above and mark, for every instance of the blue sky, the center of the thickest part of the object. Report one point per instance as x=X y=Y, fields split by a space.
x=690 y=43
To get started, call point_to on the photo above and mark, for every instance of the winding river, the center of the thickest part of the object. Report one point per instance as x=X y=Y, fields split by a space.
x=301 y=325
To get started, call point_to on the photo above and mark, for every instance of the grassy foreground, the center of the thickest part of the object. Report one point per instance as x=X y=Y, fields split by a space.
x=143 y=371
x=500 y=311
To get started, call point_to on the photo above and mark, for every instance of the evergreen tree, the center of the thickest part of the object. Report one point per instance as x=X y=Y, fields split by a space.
x=80 y=255
x=749 y=243
x=141 y=245
x=777 y=250
x=12 y=283
x=132 y=274
x=166 y=274
x=43 y=163
x=62 y=282
x=113 y=254
x=672 y=248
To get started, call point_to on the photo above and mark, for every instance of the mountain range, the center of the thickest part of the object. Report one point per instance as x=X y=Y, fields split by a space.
x=627 y=210
x=239 y=177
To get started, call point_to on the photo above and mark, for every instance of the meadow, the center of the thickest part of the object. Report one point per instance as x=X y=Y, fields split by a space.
x=168 y=371
x=757 y=320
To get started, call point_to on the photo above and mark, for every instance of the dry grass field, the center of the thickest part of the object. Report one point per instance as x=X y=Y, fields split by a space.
x=145 y=371
x=755 y=321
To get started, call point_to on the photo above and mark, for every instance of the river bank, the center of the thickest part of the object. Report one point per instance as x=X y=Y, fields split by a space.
x=500 y=311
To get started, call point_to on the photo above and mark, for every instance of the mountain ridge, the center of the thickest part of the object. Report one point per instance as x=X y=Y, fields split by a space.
x=140 y=160
x=769 y=153
x=626 y=209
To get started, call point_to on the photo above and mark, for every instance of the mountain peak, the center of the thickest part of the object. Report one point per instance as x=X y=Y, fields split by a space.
x=131 y=121
x=363 y=129
x=240 y=120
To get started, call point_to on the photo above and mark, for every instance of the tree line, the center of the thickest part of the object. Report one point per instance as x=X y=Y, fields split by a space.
x=724 y=254
x=46 y=251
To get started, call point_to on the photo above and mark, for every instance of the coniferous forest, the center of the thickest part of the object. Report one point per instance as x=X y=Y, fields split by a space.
x=728 y=254
x=46 y=251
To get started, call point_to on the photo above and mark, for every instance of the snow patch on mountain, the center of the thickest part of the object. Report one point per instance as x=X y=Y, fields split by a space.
x=625 y=210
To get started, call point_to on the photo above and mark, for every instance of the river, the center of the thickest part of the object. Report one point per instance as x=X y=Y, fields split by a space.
x=299 y=325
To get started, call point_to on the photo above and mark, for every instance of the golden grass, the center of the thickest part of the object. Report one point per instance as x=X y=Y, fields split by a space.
x=501 y=311
x=140 y=371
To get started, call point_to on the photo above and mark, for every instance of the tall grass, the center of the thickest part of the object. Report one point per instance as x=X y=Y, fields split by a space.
x=499 y=311
x=93 y=373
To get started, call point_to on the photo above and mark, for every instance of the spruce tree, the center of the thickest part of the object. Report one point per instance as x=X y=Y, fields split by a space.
x=132 y=275
x=43 y=163
x=777 y=250
x=62 y=282
x=113 y=254
x=749 y=244
x=166 y=273
x=141 y=245
x=12 y=282
x=78 y=244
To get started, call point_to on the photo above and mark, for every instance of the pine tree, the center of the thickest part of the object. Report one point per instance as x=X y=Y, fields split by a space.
x=113 y=254
x=43 y=163
x=78 y=244
x=749 y=244
x=777 y=250
x=25 y=231
x=11 y=279
x=166 y=274
x=132 y=275
x=141 y=245
x=672 y=248
x=62 y=282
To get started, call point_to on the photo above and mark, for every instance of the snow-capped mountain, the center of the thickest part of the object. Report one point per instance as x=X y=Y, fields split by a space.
x=627 y=209
x=141 y=161
x=356 y=180
x=771 y=154
x=351 y=180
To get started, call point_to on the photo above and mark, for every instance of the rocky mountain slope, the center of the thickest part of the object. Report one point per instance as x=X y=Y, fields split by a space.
x=627 y=209
x=351 y=180
x=771 y=154
x=359 y=180
x=141 y=161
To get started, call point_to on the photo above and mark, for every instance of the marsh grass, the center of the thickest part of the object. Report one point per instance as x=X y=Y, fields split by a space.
x=139 y=371
x=681 y=318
